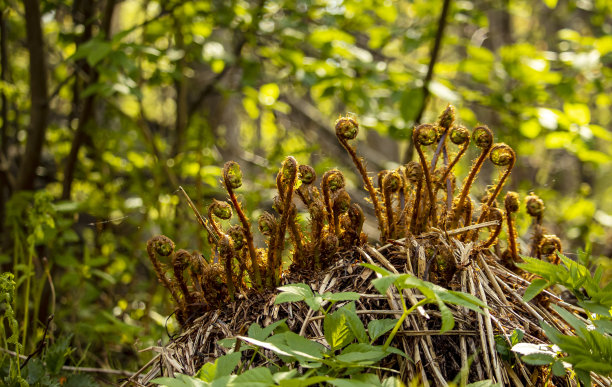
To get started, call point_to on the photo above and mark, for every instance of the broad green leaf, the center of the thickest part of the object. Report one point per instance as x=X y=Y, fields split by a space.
x=259 y=376
x=259 y=333
x=557 y=368
x=179 y=381
x=571 y=320
x=537 y=359
x=535 y=288
x=382 y=284
x=207 y=372
x=263 y=344
x=293 y=293
x=377 y=328
x=226 y=364
x=342 y=296
x=314 y=302
x=361 y=353
x=336 y=330
x=462 y=299
x=354 y=323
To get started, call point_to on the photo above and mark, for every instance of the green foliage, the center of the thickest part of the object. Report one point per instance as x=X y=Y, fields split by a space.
x=344 y=362
x=433 y=294
x=590 y=349
x=47 y=371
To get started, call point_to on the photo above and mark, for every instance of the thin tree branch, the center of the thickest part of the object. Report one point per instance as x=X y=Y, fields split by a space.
x=442 y=21
x=87 y=113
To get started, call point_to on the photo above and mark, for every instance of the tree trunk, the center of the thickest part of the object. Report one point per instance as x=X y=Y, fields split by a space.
x=39 y=109
x=87 y=113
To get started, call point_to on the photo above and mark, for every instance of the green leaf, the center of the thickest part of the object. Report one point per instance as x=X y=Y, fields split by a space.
x=361 y=354
x=342 y=296
x=227 y=363
x=266 y=345
x=336 y=330
x=538 y=359
x=293 y=293
x=557 y=368
x=314 y=302
x=382 y=284
x=448 y=321
x=571 y=320
x=259 y=333
x=383 y=272
x=179 y=380
x=377 y=328
x=259 y=376
x=354 y=323
x=535 y=288
x=207 y=372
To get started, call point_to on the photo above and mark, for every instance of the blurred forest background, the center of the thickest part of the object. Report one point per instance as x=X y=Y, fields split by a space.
x=109 y=106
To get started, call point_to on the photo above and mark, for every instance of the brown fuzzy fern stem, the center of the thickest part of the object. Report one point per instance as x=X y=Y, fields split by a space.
x=424 y=135
x=459 y=135
x=392 y=183
x=483 y=138
x=494 y=214
x=180 y=262
x=289 y=172
x=535 y=209
x=307 y=176
x=226 y=251
x=163 y=246
x=347 y=129
x=331 y=182
x=221 y=210
x=232 y=179
x=342 y=203
x=502 y=156
x=511 y=204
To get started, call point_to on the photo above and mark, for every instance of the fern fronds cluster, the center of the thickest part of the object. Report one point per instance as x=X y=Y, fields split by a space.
x=410 y=203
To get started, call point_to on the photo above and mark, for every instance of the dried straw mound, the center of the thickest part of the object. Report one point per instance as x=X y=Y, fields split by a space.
x=436 y=358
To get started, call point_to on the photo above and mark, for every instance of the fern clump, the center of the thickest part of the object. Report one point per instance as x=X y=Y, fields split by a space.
x=412 y=201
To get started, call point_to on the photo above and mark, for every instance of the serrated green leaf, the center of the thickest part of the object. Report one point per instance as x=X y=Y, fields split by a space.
x=336 y=330
x=537 y=359
x=227 y=363
x=314 y=302
x=293 y=293
x=354 y=323
x=342 y=296
x=255 y=377
x=535 y=288
x=382 y=284
x=557 y=368
x=259 y=333
x=377 y=328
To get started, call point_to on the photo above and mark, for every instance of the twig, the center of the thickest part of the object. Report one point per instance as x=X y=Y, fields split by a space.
x=430 y=71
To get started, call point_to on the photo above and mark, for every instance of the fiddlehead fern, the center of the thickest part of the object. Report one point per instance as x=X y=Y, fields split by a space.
x=347 y=129
x=232 y=179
